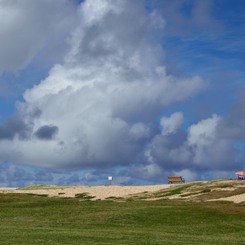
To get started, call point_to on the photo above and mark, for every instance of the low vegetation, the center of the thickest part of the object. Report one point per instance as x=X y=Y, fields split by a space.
x=84 y=196
x=41 y=187
x=34 y=219
x=197 y=191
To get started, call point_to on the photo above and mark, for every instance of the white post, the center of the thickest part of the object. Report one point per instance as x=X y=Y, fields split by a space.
x=110 y=179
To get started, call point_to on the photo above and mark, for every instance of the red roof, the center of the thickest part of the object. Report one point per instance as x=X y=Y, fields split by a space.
x=241 y=173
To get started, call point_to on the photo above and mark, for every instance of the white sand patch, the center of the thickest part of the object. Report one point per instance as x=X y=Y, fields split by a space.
x=236 y=198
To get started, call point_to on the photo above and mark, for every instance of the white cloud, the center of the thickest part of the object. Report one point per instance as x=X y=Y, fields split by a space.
x=94 y=11
x=203 y=132
x=208 y=148
x=171 y=124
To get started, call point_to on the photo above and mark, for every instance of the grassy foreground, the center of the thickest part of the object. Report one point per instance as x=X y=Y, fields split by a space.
x=31 y=219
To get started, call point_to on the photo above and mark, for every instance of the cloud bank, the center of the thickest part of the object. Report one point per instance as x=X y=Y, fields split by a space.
x=100 y=106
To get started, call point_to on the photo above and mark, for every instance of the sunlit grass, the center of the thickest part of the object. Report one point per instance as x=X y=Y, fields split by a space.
x=36 y=219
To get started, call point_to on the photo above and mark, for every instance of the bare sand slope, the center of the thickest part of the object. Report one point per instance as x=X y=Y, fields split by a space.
x=99 y=192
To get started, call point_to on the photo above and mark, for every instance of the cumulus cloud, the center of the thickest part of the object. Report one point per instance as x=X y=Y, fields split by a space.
x=204 y=141
x=171 y=124
x=202 y=133
x=98 y=107
x=199 y=150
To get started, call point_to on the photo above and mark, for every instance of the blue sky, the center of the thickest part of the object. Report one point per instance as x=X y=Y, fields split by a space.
x=139 y=90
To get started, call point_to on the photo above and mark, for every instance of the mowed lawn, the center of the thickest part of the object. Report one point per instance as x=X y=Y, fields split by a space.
x=30 y=219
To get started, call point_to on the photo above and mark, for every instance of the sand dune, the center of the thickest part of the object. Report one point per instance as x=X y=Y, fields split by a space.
x=103 y=192
x=99 y=192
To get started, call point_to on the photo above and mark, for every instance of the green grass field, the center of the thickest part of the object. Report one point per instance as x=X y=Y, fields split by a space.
x=31 y=219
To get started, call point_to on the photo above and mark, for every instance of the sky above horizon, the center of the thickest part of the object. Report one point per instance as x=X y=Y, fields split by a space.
x=138 y=90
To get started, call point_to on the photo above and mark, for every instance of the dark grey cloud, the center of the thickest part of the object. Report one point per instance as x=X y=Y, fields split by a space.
x=14 y=126
x=46 y=132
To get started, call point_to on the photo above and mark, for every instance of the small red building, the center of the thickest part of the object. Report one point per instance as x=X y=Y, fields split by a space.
x=240 y=175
